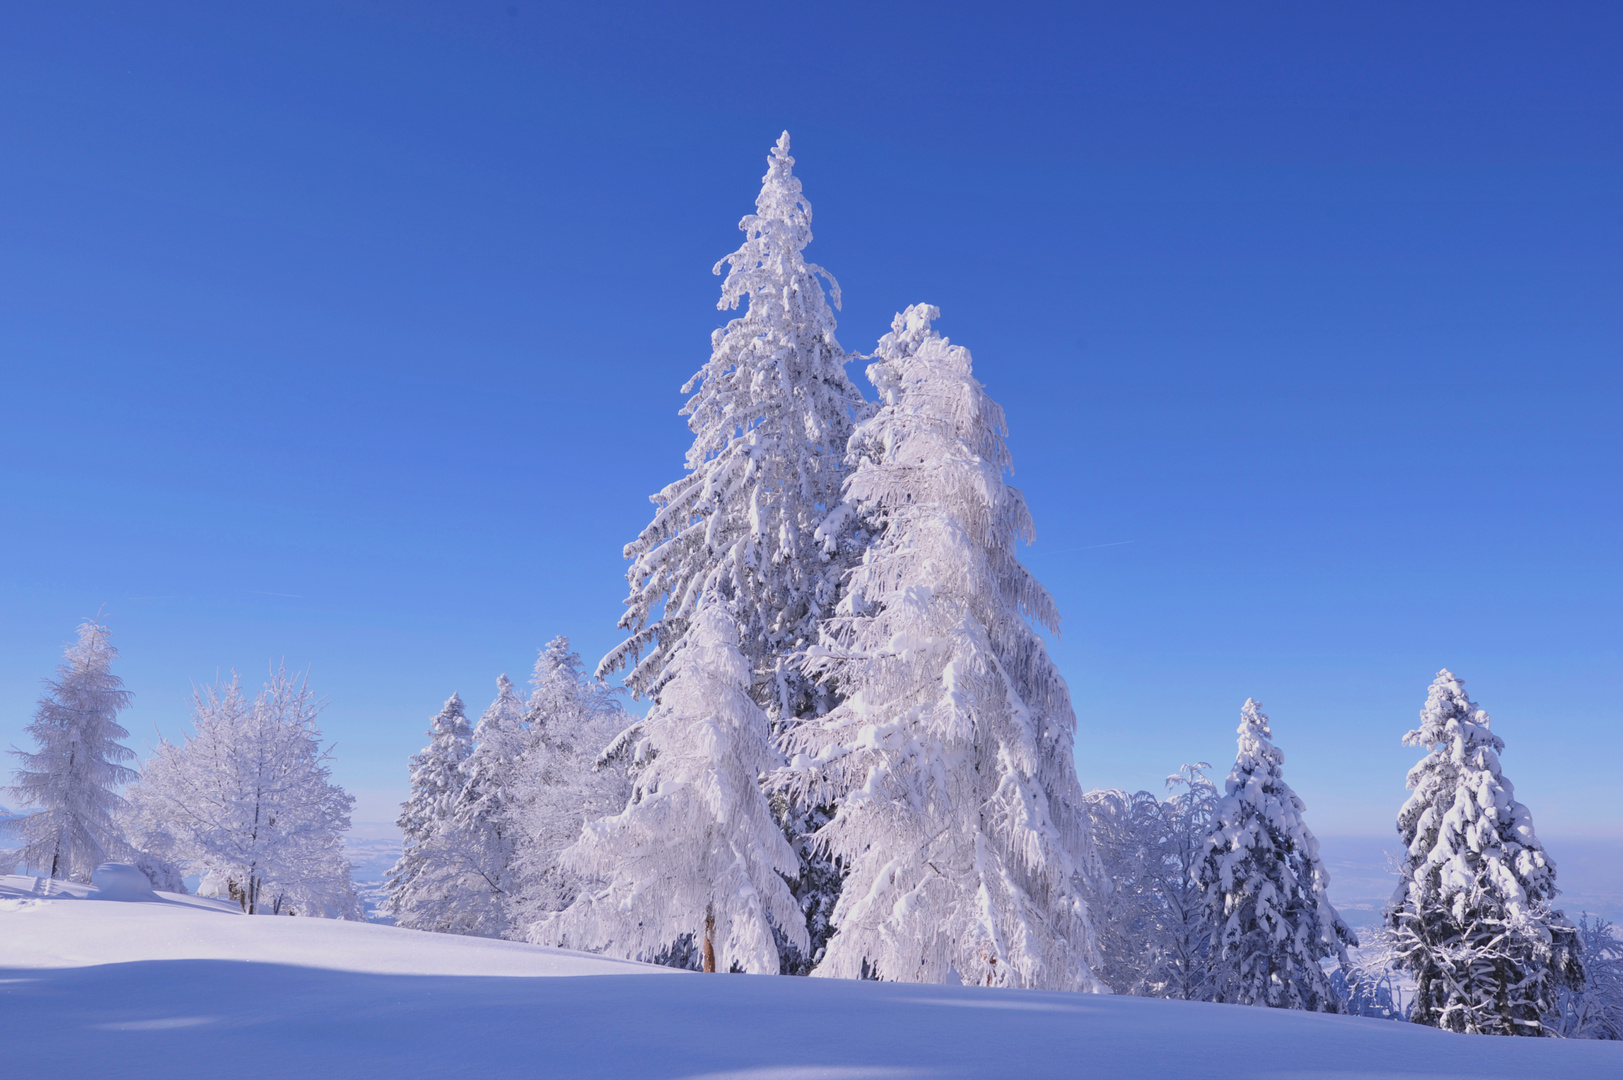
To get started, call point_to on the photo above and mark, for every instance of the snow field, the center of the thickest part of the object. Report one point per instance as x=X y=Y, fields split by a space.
x=66 y=931
x=146 y=989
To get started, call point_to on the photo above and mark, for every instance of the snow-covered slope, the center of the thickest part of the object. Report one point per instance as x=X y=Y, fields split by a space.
x=64 y=931
x=152 y=989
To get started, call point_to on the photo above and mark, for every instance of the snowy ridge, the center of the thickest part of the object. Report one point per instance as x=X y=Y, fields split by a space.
x=144 y=986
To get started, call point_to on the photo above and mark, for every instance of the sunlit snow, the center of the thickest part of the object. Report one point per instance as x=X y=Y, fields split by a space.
x=169 y=985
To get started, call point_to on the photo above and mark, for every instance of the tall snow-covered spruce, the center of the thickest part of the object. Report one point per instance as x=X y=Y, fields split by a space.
x=422 y=884
x=959 y=818
x=1471 y=919
x=1267 y=891
x=696 y=851
x=771 y=414
x=69 y=781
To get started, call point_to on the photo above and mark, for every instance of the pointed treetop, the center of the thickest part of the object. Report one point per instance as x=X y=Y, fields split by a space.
x=449 y=718
x=777 y=233
x=1254 y=722
x=94 y=647
x=1451 y=715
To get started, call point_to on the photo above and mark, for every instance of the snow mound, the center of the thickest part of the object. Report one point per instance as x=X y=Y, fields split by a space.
x=121 y=881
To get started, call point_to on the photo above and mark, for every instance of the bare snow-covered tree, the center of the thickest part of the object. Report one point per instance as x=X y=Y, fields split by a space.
x=68 y=783
x=1471 y=919
x=696 y=851
x=1593 y=1010
x=565 y=780
x=1154 y=937
x=248 y=801
x=959 y=818
x=1267 y=891
x=422 y=883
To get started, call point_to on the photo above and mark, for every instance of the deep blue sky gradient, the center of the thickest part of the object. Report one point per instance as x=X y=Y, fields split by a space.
x=353 y=333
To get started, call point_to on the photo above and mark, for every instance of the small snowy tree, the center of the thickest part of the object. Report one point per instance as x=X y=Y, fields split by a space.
x=1593 y=1010
x=69 y=781
x=565 y=781
x=696 y=851
x=1154 y=937
x=959 y=817
x=421 y=883
x=247 y=801
x=1267 y=891
x=1471 y=919
x=480 y=832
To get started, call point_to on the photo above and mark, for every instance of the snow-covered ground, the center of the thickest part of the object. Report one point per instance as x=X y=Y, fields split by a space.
x=178 y=984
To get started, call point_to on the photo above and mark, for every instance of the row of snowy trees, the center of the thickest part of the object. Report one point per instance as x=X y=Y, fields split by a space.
x=1223 y=897
x=493 y=807
x=858 y=758
x=245 y=802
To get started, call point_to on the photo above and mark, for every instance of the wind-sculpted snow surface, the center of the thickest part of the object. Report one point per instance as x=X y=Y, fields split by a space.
x=155 y=987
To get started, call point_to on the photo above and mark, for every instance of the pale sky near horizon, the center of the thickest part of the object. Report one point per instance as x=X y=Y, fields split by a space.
x=353 y=334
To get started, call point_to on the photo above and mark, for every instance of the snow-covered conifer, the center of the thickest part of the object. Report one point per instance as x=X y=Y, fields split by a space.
x=480 y=833
x=570 y=722
x=421 y=881
x=770 y=413
x=248 y=801
x=1267 y=891
x=69 y=781
x=1471 y=919
x=960 y=819
x=696 y=851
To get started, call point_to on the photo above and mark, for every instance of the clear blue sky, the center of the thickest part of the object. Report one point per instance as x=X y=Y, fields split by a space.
x=353 y=333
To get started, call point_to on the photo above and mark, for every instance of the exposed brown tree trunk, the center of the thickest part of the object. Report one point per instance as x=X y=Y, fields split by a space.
x=710 y=939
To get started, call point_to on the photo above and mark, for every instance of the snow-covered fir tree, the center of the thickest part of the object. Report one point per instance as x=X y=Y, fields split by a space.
x=248 y=802
x=480 y=834
x=422 y=883
x=69 y=781
x=1267 y=891
x=959 y=818
x=1150 y=916
x=696 y=851
x=566 y=780
x=1471 y=919
x=1594 y=1009
x=771 y=413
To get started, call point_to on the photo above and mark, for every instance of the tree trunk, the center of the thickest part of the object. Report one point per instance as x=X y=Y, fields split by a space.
x=710 y=939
